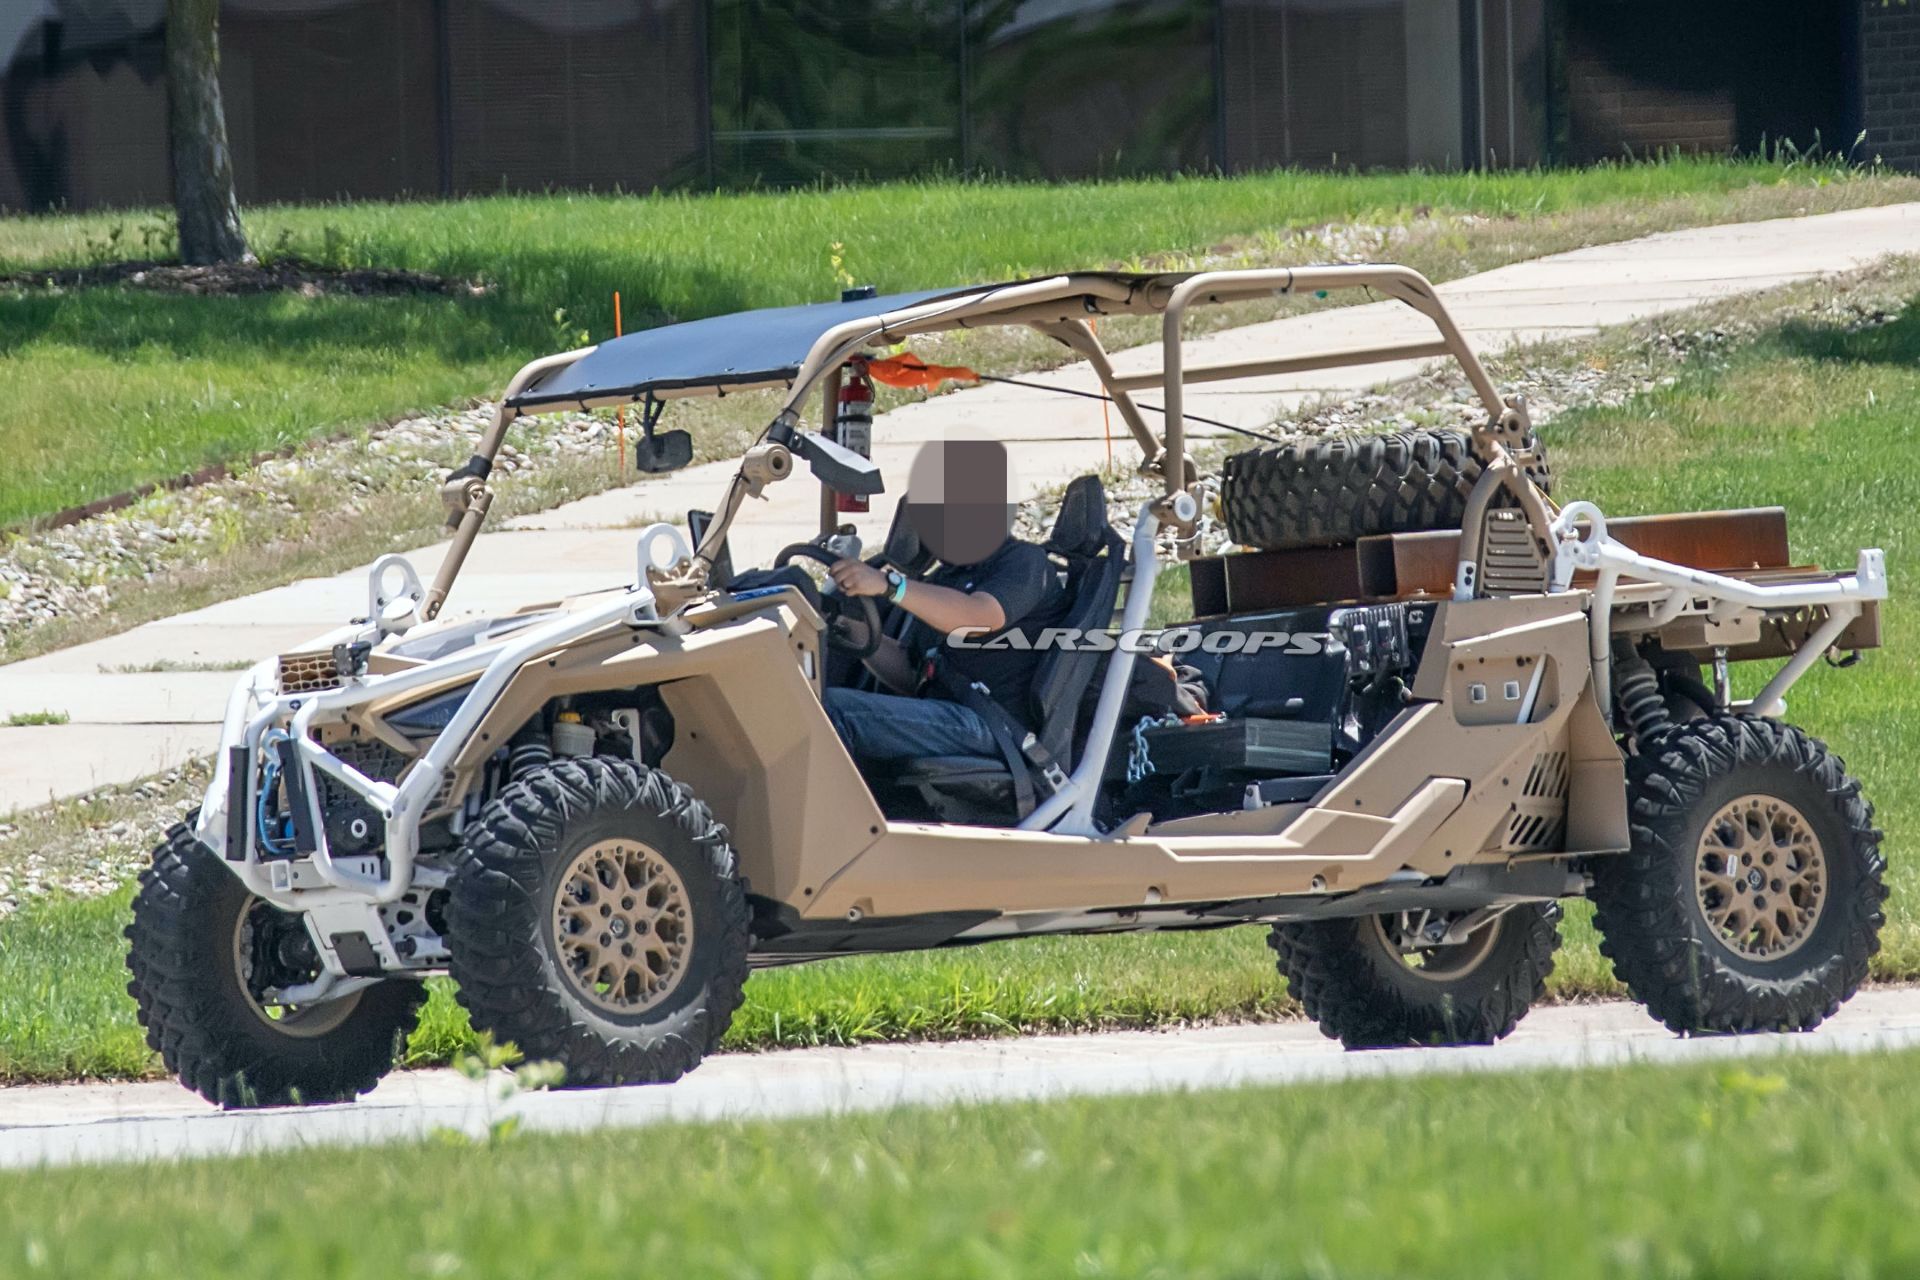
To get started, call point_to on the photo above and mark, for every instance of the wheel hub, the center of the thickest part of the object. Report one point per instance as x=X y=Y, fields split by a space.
x=1761 y=877
x=271 y=951
x=1418 y=937
x=623 y=926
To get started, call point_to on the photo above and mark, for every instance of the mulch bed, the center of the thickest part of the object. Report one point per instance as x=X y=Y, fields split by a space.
x=233 y=279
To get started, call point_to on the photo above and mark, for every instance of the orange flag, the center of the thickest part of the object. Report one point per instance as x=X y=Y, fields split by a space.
x=909 y=370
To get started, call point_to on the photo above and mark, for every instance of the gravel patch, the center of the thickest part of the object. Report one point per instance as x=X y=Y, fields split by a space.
x=71 y=572
x=92 y=844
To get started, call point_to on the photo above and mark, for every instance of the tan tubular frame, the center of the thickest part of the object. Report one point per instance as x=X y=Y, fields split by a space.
x=1407 y=285
x=1076 y=335
x=1058 y=306
x=468 y=497
x=836 y=345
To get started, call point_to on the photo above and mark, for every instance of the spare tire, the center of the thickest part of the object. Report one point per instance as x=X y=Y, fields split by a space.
x=1319 y=493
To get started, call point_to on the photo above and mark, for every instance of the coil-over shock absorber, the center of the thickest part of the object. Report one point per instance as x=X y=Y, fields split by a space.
x=1637 y=693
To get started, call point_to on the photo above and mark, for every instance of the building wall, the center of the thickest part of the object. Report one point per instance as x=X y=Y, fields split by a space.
x=1644 y=76
x=1890 y=82
x=370 y=99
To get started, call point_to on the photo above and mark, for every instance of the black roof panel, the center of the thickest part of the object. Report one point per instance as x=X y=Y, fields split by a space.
x=742 y=349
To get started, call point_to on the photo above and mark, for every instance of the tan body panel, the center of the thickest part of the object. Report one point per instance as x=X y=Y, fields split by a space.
x=1435 y=791
x=752 y=738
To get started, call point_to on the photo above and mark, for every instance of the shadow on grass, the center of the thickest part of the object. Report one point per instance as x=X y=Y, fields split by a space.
x=517 y=317
x=1896 y=342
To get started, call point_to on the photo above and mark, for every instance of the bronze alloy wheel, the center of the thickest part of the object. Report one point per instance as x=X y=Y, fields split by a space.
x=1750 y=898
x=1411 y=936
x=205 y=961
x=598 y=919
x=261 y=934
x=1760 y=876
x=623 y=926
x=1382 y=981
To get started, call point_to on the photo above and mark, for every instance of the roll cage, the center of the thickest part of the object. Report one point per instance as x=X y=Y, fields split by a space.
x=1061 y=307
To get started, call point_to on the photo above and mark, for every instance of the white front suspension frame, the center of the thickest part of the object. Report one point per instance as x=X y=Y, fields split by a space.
x=1592 y=550
x=346 y=894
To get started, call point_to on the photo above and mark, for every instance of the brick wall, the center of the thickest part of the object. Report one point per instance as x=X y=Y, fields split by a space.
x=1613 y=113
x=1712 y=75
x=1646 y=76
x=1890 y=81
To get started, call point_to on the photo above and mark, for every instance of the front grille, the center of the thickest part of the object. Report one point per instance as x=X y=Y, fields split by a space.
x=311 y=671
x=381 y=763
x=375 y=759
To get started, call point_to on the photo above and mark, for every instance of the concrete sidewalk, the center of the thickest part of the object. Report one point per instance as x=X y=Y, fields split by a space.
x=71 y=1124
x=123 y=726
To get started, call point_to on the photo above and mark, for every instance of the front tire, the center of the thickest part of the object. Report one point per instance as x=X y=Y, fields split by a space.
x=201 y=952
x=598 y=919
x=1369 y=984
x=1751 y=897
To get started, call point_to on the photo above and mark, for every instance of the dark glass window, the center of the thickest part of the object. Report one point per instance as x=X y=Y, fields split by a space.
x=83 y=105
x=1710 y=75
x=330 y=98
x=846 y=89
x=1322 y=83
x=1074 y=88
x=574 y=93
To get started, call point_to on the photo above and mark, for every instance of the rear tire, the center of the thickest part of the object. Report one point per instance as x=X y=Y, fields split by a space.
x=1330 y=492
x=598 y=920
x=194 y=944
x=1364 y=992
x=1751 y=897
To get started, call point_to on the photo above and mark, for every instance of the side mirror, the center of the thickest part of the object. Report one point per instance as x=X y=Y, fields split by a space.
x=663 y=451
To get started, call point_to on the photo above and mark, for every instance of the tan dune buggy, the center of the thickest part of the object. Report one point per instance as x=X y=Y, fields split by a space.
x=600 y=814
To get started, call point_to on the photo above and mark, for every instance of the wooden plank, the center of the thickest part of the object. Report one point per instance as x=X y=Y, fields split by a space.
x=1248 y=581
x=1403 y=564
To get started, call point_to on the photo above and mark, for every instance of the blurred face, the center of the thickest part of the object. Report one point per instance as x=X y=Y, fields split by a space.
x=960 y=499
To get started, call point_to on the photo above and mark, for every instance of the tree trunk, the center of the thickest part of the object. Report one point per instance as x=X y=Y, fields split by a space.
x=209 y=213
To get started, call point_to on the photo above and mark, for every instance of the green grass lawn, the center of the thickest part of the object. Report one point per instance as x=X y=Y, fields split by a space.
x=1785 y=1167
x=102 y=389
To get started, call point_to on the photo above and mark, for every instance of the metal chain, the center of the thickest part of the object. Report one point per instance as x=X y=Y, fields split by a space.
x=1139 y=758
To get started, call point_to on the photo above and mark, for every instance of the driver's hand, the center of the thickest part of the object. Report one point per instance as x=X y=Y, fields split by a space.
x=858 y=578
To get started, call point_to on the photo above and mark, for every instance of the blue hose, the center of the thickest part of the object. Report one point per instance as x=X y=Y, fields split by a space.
x=280 y=845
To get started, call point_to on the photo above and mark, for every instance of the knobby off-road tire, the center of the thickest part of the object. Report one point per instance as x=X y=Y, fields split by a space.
x=598 y=919
x=1364 y=993
x=191 y=955
x=1328 y=492
x=1751 y=898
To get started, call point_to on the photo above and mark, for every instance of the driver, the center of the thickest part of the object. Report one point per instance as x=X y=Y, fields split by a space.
x=959 y=501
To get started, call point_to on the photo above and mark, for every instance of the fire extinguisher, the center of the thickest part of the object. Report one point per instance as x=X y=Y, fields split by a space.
x=853 y=425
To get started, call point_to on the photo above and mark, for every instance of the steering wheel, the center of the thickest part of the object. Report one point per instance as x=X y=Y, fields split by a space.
x=841 y=629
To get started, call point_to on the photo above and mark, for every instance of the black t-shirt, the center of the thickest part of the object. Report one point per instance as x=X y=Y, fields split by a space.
x=1027 y=586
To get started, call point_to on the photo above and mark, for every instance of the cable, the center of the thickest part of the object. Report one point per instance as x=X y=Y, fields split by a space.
x=1095 y=395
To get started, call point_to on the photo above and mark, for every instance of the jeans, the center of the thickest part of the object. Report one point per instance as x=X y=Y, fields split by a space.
x=884 y=726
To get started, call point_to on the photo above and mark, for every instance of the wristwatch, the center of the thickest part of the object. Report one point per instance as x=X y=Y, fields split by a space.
x=896 y=584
